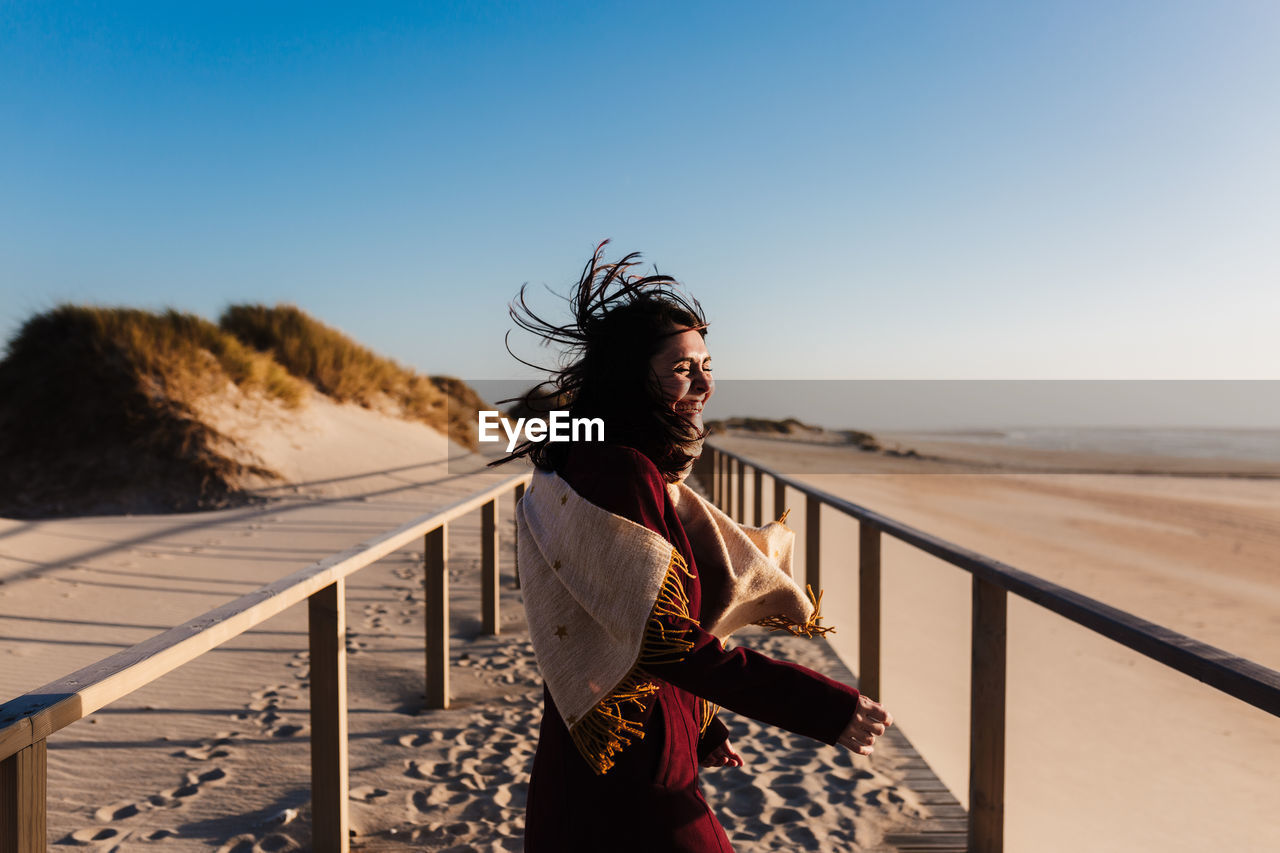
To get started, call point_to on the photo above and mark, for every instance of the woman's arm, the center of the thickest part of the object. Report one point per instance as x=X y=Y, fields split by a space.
x=624 y=482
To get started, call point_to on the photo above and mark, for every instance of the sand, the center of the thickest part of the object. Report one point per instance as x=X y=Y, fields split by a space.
x=215 y=755
x=1106 y=749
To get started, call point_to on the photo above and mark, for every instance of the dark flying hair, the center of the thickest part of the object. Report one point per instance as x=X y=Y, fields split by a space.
x=619 y=322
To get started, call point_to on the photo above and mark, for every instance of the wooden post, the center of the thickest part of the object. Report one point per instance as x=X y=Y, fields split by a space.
x=812 y=538
x=722 y=502
x=757 y=498
x=986 y=719
x=23 y=792
x=327 y=629
x=779 y=497
x=519 y=497
x=701 y=467
x=489 y=587
x=436 y=590
x=713 y=487
x=740 y=502
x=869 y=610
x=713 y=484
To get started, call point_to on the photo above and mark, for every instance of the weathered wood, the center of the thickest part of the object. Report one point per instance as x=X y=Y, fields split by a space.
x=436 y=589
x=327 y=630
x=40 y=713
x=489 y=582
x=779 y=497
x=869 y=610
x=757 y=497
x=515 y=568
x=986 y=719
x=23 y=798
x=812 y=542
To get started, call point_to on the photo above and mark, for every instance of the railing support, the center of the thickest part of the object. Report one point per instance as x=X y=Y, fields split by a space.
x=757 y=496
x=715 y=477
x=436 y=590
x=23 y=791
x=722 y=500
x=779 y=497
x=519 y=497
x=869 y=610
x=812 y=542
x=740 y=503
x=489 y=587
x=986 y=719
x=726 y=490
x=327 y=627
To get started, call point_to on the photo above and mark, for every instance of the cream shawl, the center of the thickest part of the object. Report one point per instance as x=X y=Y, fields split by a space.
x=594 y=582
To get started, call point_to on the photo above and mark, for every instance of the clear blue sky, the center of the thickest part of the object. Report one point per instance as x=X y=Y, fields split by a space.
x=853 y=189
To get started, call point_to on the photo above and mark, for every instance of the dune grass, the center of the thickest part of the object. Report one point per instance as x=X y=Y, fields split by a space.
x=95 y=411
x=98 y=405
x=349 y=372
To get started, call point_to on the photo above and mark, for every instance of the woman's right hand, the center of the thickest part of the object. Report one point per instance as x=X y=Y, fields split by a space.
x=869 y=722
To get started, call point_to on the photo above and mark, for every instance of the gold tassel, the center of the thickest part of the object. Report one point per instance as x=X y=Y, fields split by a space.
x=604 y=731
x=809 y=629
x=709 y=712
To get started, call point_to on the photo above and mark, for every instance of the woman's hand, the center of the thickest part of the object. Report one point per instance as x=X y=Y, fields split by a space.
x=869 y=722
x=722 y=756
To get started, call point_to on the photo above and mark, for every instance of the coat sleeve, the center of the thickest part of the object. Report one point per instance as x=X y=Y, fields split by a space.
x=716 y=734
x=780 y=693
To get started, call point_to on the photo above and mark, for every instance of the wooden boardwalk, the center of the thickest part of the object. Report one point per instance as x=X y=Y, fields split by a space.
x=944 y=826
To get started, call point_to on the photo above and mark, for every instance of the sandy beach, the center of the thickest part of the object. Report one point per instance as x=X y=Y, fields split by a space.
x=1106 y=750
x=215 y=755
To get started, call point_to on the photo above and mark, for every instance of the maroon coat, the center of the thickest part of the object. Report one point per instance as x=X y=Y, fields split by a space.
x=649 y=801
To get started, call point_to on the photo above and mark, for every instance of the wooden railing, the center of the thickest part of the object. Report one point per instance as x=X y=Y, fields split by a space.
x=725 y=475
x=28 y=721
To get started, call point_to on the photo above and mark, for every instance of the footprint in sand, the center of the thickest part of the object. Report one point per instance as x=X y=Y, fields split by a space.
x=367 y=794
x=301 y=661
x=206 y=750
x=421 y=739
x=245 y=843
x=116 y=811
x=124 y=810
x=92 y=835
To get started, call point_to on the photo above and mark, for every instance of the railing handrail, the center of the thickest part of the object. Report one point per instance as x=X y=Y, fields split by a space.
x=1240 y=677
x=35 y=715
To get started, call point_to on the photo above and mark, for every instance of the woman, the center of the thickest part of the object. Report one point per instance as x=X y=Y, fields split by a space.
x=631 y=581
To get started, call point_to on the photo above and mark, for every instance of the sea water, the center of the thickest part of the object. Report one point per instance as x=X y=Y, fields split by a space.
x=1249 y=445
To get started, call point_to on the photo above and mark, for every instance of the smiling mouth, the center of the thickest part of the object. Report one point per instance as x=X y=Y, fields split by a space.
x=688 y=408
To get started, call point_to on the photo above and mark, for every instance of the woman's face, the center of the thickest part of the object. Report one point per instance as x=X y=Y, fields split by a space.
x=683 y=368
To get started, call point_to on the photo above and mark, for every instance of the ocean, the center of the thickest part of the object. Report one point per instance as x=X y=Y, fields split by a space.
x=1246 y=445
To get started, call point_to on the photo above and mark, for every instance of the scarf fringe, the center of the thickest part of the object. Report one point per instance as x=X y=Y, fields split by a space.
x=709 y=712
x=604 y=731
x=808 y=629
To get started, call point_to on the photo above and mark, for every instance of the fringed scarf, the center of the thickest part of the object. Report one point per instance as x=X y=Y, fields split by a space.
x=594 y=584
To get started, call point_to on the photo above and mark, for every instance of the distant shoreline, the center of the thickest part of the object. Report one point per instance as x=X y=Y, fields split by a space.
x=995 y=452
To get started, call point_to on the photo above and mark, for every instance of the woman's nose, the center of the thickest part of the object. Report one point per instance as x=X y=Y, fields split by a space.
x=701 y=382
